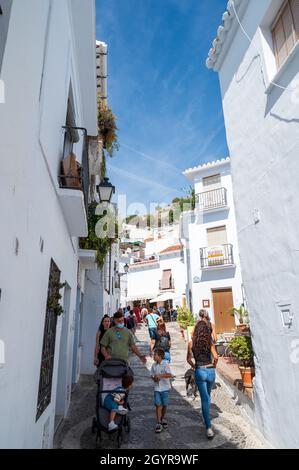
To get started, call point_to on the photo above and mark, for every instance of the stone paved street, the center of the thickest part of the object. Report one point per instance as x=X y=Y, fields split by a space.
x=185 y=423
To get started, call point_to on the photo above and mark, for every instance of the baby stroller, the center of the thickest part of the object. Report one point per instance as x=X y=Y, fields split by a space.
x=108 y=376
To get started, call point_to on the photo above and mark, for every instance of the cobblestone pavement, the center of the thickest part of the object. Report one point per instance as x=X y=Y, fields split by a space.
x=185 y=424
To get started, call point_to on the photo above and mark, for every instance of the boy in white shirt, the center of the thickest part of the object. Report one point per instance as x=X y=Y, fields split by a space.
x=161 y=375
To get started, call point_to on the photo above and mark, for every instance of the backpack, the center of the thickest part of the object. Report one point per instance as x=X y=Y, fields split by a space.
x=163 y=342
x=130 y=323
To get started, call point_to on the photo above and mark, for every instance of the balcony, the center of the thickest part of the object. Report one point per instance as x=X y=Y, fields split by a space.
x=217 y=257
x=74 y=182
x=170 y=286
x=87 y=258
x=213 y=200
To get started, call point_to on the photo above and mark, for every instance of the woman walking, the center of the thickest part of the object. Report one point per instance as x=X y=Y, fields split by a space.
x=204 y=315
x=104 y=326
x=202 y=349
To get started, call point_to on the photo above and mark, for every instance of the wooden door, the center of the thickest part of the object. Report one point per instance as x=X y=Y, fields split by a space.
x=223 y=303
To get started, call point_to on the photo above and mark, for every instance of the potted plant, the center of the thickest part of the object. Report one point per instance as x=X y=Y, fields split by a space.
x=102 y=245
x=241 y=348
x=243 y=319
x=186 y=322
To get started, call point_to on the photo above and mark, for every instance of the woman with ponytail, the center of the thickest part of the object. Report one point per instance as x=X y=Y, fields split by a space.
x=202 y=357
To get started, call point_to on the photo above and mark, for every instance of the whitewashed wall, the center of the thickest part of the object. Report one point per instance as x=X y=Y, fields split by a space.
x=31 y=148
x=144 y=280
x=195 y=228
x=263 y=138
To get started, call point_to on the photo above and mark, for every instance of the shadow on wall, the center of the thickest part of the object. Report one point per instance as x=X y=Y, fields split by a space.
x=215 y=216
x=221 y=274
x=284 y=81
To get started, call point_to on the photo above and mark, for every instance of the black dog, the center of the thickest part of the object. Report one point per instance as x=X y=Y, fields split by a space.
x=191 y=388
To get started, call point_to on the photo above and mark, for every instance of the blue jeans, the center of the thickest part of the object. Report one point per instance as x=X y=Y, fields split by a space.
x=205 y=379
x=110 y=404
x=162 y=398
x=152 y=332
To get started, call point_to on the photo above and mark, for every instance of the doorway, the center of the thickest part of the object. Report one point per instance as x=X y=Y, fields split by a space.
x=223 y=303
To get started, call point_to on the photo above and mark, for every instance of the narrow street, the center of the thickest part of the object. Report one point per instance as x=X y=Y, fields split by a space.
x=185 y=425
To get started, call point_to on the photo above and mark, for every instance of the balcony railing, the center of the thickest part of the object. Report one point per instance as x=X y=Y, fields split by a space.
x=170 y=286
x=218 y=256
x=214 y=199
x=75 y=175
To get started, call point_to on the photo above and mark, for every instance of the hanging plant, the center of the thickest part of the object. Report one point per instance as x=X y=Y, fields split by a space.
x=107 y=127
x=54 y=297
x=101 y=244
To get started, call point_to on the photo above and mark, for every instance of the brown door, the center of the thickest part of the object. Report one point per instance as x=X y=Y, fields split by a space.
x=223 y=303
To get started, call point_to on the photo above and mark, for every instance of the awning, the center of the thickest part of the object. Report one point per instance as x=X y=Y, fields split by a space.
x=142 y=296
x=157 y=299
x=165 y=296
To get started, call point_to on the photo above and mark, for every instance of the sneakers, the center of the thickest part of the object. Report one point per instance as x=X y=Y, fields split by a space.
x=159 y=428
x=112 y=426
x=210 y=433
x=164 y=424
x=121 y=410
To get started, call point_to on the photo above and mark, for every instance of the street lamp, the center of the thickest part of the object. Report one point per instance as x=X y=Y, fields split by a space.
x=105 y=190
x=126 y=270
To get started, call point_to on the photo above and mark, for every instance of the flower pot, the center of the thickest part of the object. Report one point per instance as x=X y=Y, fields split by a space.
x=189 y=334
x=247 y=374
x=182 y=331
x=71 y=171
x=242 y=328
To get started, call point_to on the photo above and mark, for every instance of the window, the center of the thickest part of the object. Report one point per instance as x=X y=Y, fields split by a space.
x=217 y=236
x=211 y=182
x=285 y=30
x=166 y=279
x=47 y=359
x=71 y=135
x=5 y=7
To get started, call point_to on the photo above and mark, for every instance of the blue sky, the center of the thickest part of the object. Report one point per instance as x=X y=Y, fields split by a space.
x=167 y=103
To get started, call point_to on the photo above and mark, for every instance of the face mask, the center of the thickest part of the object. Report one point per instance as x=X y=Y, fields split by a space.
x=120 y=325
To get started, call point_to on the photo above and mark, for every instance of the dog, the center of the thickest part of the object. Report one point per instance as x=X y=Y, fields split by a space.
x=191 y=387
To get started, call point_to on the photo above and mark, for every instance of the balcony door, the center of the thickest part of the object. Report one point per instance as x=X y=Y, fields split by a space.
x=223 y=303
x=166 y=279
x=216 y=236
x=211 y=182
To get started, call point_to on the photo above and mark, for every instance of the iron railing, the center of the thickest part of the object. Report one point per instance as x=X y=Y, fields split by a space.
x=78 y=177
x=211 y=257
x=170 y=286
x=212 y=199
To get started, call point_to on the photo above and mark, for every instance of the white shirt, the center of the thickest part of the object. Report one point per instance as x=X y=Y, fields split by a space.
x=164 y=384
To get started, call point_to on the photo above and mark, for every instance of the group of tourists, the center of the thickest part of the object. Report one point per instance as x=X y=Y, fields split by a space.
x=116 y=339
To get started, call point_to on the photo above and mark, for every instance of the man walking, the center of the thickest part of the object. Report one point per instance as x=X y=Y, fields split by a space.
x=117 y=342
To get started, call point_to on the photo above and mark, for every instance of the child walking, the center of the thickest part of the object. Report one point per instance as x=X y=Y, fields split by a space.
x=161 y=375
x=115 y=400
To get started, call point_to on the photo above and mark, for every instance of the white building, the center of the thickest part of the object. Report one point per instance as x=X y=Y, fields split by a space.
x=211 y=246
x=48 y=66
x=103 y=289
x=259 y=85
x=160 y=275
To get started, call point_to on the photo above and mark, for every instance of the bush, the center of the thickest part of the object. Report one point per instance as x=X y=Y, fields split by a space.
x=185 y=317
x=241 y=348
